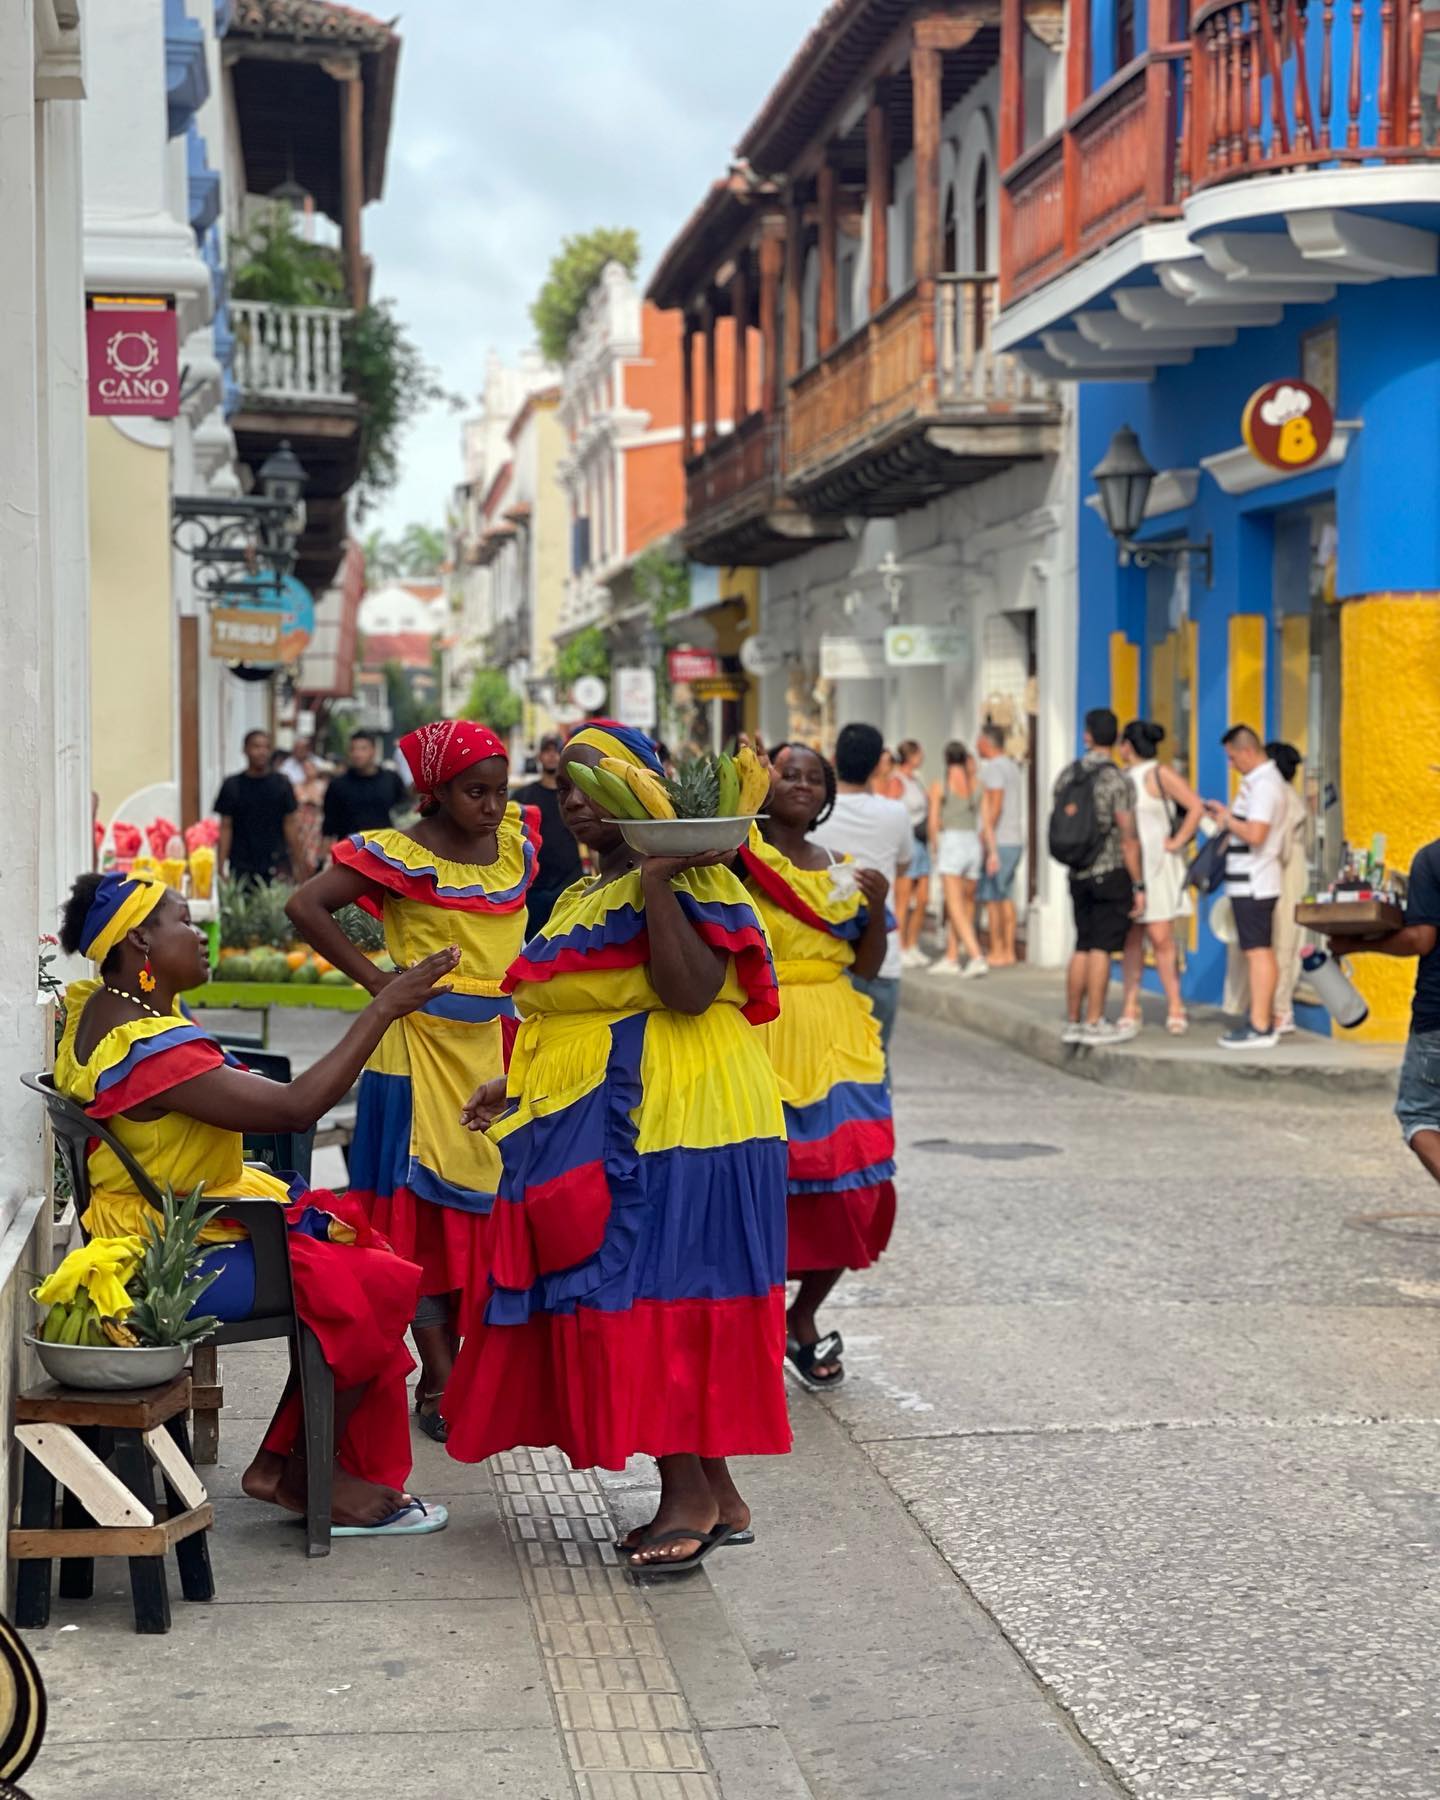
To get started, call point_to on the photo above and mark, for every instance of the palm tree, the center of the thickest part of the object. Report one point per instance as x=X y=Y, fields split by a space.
x=422 y=549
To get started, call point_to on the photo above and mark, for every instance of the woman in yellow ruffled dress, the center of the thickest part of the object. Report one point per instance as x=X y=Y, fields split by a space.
x=637 y=1251
x=460 y=877
x=825 y=919
x=132 y=1058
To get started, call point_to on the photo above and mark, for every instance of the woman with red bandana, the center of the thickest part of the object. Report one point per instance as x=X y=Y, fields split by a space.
x=459 y=877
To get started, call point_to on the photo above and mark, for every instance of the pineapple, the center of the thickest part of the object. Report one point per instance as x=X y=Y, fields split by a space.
x=167 y=1283
x=695 y=788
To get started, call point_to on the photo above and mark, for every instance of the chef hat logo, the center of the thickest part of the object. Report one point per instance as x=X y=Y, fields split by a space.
x=1284 y=404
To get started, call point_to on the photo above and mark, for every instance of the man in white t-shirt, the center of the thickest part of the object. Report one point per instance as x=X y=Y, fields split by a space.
x=878 y=834
x=1255 y=821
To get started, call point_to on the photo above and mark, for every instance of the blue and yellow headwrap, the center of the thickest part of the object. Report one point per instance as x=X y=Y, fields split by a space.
x=121 y=903
x=624 y=741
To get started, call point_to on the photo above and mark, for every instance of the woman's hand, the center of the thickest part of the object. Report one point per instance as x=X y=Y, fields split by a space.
x=485 y=1105
x=873 y=885
x=407 y=990
x=666 y=868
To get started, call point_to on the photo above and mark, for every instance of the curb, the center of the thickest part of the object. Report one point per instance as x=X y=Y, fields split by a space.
x=1126 y=1067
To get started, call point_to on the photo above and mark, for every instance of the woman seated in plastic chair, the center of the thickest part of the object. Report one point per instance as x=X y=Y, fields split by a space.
x=131 y=1057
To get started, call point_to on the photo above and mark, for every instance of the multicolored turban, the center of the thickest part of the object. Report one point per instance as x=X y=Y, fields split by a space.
x=121 y=903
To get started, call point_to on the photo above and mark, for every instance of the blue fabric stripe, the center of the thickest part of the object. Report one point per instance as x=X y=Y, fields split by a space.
x=619 y=926
x=470 y=1009
x=730 y=915
x=552 y=1145
x=847 y=1102
x=380 y=1146
x=497 y=895
x=142 y=1048
x=426 y=1184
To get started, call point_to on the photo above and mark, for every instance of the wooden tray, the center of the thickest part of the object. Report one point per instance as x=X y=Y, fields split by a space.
x=1350 y=918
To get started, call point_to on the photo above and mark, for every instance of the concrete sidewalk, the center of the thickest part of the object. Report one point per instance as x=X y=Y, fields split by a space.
x=1025 y=1008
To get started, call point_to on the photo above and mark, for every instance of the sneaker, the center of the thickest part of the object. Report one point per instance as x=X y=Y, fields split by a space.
x=915 y=958
x=1072 y=1032
x=1102 y=1033
x=977 y=965
x=1284 y=1024
x=946 y=967
x=1125 y=1029
x=1246 y=1037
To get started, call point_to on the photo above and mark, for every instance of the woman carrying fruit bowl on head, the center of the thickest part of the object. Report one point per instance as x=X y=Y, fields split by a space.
x=824 y=918
x=638 y=1243
x=459 y=877
x=130 y=1057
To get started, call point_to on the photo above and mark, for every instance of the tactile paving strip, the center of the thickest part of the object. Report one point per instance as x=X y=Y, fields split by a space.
x=628 y=1733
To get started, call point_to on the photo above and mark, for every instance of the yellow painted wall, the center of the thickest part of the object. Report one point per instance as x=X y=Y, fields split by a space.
x=1247 y=677
x=1295 y=681
x=1389 y=738
x=132 y=617
x=1124 y=678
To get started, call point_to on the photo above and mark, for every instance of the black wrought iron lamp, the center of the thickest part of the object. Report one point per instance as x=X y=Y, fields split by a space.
x=1122 y=478
x=231 y=541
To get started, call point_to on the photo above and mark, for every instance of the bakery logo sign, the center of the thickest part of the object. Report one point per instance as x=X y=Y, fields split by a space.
x=1287 y=425
x=133 y=350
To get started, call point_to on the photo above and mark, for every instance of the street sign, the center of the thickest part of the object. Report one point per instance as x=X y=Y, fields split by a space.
x=693 y=665
x=588 y=693
x=922 y=646
x=761 y=654
x=635 y=697
x=132 y=347
x=1287 y=425
x=852 y=658
x=246 y=634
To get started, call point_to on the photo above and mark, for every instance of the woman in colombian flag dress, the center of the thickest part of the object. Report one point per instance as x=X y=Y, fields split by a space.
x=459 y=878
x=824 y=919
x=637 y=1246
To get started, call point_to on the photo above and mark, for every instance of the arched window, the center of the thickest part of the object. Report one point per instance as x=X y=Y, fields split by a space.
x=950 y=256
x=980 y=218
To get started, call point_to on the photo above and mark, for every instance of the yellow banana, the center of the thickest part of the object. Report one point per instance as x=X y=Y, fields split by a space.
x=754 y=781
x=120 y=1334
x=649 y=790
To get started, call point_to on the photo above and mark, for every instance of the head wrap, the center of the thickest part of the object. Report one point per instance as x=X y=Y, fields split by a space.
x=121 y=903
x=624 y=741
x=435 y=754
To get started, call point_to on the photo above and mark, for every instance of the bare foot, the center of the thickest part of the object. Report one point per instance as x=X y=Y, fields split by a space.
x=352 y=1501
x=261 y=1480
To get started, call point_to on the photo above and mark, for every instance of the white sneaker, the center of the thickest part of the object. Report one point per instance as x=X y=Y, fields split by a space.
x=1103 y=1033
x=1284 y=1024
x=945 y=968
x=977 y=965
x=1125 y=1029
x=1072 y=1032
x=915 y=958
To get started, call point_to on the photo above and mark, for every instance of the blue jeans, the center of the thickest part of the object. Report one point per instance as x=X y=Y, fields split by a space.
x=1417 y=1103
x=884 y=995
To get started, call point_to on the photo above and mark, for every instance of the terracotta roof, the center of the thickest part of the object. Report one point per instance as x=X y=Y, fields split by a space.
x=696 y=247
x=411 y=649
x=311 y=21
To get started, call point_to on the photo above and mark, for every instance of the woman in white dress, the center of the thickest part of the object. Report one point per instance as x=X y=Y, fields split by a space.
x=1167 y=815
x=912 y=889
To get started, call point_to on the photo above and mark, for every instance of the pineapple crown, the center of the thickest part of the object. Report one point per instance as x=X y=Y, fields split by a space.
x=168 y=1283
x=694 y=789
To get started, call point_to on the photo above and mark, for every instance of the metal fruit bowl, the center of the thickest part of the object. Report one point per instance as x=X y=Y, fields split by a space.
x=109 y=1366
x=686 y=837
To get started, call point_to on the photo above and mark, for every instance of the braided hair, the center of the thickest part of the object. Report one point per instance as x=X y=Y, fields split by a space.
x=829 y=772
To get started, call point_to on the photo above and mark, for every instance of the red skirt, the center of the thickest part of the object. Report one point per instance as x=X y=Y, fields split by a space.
x=448 y=1244
x=846 y=1230
x=358 y=1299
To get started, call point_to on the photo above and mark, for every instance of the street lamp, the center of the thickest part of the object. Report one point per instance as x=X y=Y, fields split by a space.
x=1123 y=477
x=228 y=539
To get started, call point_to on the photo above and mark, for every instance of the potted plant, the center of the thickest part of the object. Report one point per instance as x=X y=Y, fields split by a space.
x=119 y=1312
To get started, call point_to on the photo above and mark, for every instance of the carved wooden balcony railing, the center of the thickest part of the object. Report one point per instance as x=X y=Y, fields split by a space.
x=735 y=468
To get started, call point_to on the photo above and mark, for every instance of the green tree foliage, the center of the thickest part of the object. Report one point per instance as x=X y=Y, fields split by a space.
x=494 y=702
x=587 y=653
x=662 y=581
x=419 y=552
x=574 y=270
x=407 y=711
x=273 y=262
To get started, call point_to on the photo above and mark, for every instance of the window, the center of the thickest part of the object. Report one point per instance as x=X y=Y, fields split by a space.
x=1124 y=32
x=950 y=256
x=980 y=219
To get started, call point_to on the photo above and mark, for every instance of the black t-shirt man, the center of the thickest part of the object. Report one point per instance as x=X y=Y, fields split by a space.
x=257 y=807
x=559 y=853
x=361 y=800
x=1422 y=907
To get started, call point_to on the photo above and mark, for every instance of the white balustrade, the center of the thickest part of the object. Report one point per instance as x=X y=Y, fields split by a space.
x=289 y=353
x=971 y=371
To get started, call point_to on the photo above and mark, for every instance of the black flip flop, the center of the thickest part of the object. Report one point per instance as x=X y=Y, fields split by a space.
x=743 y=1535
x=802 y=1358
x=684 y=1565
x=432 y=1424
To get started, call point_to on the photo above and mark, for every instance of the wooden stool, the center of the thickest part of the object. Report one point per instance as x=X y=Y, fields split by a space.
x=66 y=1435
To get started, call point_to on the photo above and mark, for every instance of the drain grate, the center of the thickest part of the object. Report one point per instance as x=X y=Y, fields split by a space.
x=985 y=1152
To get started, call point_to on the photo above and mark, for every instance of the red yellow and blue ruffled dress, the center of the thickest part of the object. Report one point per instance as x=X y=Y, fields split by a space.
x=827 y=1053
x=637 y=1299
x=350 y=1288
x=426 y=1182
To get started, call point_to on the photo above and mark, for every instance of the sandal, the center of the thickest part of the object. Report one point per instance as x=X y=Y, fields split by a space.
x=431 y=1424
x=413 y=1519
x=739 y=1536
x=802 y=1358
x=682 y=1565
x=1177 y=1024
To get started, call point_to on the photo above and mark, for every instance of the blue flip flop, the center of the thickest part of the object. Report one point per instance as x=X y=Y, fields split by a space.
x=413 y=1520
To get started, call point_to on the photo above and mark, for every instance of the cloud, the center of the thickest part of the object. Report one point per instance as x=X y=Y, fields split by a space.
x=517 y=125
x=1284 y=404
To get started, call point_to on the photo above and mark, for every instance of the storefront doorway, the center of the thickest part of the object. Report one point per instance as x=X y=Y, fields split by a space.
x=1305 y=686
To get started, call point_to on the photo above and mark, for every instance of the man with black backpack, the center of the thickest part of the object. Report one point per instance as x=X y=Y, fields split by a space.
x=1092 y=832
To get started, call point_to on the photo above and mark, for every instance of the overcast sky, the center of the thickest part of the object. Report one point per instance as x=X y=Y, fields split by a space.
x=519 y=123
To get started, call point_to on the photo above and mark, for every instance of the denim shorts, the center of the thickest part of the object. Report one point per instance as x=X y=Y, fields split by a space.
x=1417 y=1104
x=997 y=886
x=960 y=854
x=919 y=869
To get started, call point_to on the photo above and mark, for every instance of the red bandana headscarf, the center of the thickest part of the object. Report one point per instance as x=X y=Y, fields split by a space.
x=435 y=754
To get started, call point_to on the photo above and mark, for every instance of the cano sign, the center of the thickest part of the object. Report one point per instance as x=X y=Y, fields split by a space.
x=133 y=351
x=1287 y=425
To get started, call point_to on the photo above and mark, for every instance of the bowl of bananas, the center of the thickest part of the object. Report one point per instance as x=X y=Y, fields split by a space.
x=107 y=1366
x=708 y=805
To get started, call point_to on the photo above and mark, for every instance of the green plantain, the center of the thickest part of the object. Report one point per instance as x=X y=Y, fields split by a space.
x=729 y=801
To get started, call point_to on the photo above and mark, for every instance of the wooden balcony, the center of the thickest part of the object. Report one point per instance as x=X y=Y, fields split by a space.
x=734 y=510
x=914 y=403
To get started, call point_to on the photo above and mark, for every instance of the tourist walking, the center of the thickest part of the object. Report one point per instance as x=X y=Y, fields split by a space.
x=460 y=877
x=559 y=853
x=959 y=860
x=637 y=1301
x=876 y=832
x=912 y=885
x=259 y=819
x=1092 y=832
x=1168 y=812
x=1002 y=839
x=365 y=796
x=133 y=1059
x=1294 y=885
x=1254 y=821
x=823 y=916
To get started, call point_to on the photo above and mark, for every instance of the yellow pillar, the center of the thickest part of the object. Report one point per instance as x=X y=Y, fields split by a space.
x=1124 y=678
x=1247 y=676
x=1162 y=685
x=1295 y=680
x=1389 y=734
